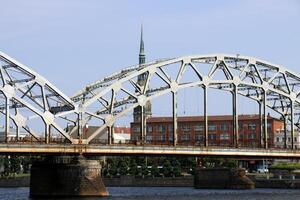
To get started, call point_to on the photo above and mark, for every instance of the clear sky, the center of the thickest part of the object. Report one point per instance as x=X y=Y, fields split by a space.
x=73 y=43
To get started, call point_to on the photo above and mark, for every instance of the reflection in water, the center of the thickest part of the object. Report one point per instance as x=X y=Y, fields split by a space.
x=171 y=193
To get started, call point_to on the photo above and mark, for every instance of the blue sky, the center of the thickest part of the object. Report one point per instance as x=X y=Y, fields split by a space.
x=73 y=43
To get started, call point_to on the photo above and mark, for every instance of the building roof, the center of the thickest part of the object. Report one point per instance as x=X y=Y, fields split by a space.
x=91 y=129
x=201 y=118
x=122 y=130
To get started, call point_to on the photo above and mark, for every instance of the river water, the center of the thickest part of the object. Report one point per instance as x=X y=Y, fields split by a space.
x=171 y=193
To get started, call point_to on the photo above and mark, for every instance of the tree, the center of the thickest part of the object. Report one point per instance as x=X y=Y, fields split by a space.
x=155 y=171
x=176 y=168
x=133 y=167
x=15 y=164
x=167 y=168
x=123 y=168
x=230 y=163
x=112 y=169
x=145 y=171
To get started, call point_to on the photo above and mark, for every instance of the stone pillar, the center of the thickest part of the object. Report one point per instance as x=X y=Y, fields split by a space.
x=222 y=178
x=65 y=176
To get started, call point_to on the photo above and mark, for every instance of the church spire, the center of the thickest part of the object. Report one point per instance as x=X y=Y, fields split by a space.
x=142 y=56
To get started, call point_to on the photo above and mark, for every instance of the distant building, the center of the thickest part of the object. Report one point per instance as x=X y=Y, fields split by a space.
x=121 y=134
x=12 y=134
x=279 y=141
x=191 y=130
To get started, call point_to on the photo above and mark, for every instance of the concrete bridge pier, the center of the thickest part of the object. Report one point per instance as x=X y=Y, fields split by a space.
x=65 y=176
x=222 y=178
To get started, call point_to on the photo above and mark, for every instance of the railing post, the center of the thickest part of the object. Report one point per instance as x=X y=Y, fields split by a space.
x=142 y=124
x=110 y=134
x=80 y=127
x=292 y=124
x=261 y=129
x=265 y=119
x=235 y=129
x=7 y=120
x=285 y=131
x=17 y=133
x=174 y=104
x=47 y=133
x=205 y=116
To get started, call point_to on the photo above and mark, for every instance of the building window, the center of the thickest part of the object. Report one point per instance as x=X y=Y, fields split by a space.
x=185 y=137
x=224 y=127
x=212 y=136
x=199 y=127
x=289 y=139
x=251 y=136
x=224 y=143
x=135 y=137
x=186 y=127
x=240 y=126
x=171 y=137
x=170 y=128
x=212 y=127
x=161 y=138
x=277 y=139
x=199 y=137
x=149 y=129
x=161 y=128
x=136 y=129
x=149 y=138
x=252 y=144
x=224 y=136
x=241 y=136
x=252 y=126
x=295 y=139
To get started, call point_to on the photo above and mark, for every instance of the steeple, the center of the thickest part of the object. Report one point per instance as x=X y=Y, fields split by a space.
x=141 y=80
x=142 y=57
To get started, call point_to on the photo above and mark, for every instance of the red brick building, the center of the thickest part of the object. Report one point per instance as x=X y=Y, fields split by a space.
x=191 y=130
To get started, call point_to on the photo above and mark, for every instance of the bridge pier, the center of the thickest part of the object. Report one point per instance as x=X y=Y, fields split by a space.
x=65 y=176
x=222 y=178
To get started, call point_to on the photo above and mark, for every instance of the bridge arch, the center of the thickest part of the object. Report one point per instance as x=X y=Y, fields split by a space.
x=271 y=85
x=26 y=96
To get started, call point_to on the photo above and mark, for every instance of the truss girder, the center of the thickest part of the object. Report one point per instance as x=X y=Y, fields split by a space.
x=112 y=97
x=251 y=77
x=27 y=95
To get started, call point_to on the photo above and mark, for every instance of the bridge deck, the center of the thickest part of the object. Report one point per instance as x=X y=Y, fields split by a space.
x=145 y=150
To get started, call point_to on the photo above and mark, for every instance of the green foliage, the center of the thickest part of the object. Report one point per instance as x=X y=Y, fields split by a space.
x=155 y=171
x=286 y=165
x=176 y=168
x=230 y=163
x=219 y=162
x=123 y=167
x=105 y=172
x=136 y=166
x=167 y=169
x=145 y=170
x=14 y=165
x=133 y=167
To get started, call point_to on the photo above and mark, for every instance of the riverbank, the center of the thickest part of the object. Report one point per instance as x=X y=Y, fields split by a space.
x=185 y=181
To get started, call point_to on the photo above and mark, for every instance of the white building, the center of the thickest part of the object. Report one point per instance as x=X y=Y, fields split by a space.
x=279 y=139
x=12 y=134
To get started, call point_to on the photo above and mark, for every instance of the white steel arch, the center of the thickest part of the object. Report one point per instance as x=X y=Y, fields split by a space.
x=269 y=84
x=24 y=91
x=108 y=99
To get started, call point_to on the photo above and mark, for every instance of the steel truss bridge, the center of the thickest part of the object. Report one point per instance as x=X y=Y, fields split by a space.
x=26 y=96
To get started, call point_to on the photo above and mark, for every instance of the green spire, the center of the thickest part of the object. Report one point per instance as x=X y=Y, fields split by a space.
x=142 y=48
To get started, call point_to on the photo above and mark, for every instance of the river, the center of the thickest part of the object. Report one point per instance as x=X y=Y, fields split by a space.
x=171 y=193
